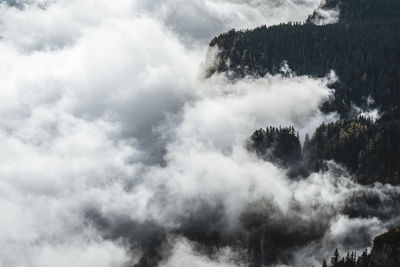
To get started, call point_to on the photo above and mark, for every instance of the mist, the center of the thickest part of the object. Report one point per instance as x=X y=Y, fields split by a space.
x=117 y=149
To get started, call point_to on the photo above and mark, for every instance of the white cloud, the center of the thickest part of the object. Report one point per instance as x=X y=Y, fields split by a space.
x=184 y=255
x=49 y=24
x=102 y=108
x=203 y=19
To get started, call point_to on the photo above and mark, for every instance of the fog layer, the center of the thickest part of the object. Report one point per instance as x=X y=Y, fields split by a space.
x=112 y=138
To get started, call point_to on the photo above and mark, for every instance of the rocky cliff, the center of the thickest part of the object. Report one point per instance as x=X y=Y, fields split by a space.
x=386 y=250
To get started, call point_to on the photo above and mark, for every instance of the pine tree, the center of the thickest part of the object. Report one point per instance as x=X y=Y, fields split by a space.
x=335 y=258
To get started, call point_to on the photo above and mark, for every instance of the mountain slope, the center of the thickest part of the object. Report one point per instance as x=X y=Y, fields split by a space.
x=364 y=55
x=363 y=49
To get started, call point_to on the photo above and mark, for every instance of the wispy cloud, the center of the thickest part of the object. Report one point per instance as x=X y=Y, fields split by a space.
x=111 y=138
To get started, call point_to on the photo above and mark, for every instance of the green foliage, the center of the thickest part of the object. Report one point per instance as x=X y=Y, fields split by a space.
x=365 y=54
x=363 y=49
x=356 y=10
x=369 y=150
x=280 y=145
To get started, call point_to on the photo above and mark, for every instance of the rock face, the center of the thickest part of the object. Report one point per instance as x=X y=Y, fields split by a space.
x=386 y=250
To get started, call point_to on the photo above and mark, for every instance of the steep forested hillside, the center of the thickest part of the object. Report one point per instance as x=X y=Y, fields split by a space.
x=350 y=260
x=363 y=49
x=385 y=253
x=277 y=144
x=356 y=10
x=371 y=151
x=364 y=55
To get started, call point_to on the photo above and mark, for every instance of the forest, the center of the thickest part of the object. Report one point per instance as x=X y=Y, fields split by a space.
x=356 y=10
x=363 y=50
x=350 y=260
x=281 y=145
x=385 y=245
x=370 y=150
x=367 y=65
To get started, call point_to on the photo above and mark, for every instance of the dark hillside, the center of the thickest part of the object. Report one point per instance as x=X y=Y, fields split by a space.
x=370 y=151
x=363 y=49
x=356 y=10
x=364 y=55
x=385 y=253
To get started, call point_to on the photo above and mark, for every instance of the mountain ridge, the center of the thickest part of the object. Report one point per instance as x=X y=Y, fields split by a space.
x=363 y=50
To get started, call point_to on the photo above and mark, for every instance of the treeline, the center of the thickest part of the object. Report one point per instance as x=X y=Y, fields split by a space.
x=350 y=260
x=369 y=150
x=280 y=145
x=364 y=55
x=363 y=49
x=384 y=253
x=356 y=10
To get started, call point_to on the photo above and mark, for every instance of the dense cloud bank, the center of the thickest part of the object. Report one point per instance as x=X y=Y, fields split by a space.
x=112 y=139
x=45 y=23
